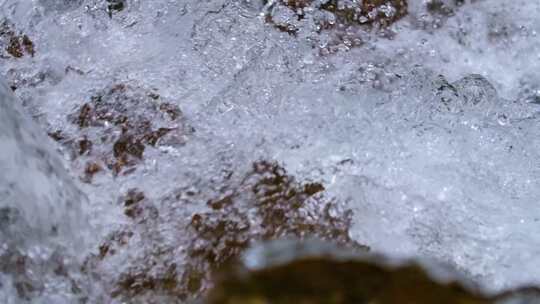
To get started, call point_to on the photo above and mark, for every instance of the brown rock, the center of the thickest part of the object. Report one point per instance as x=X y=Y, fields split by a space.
x=16 y=45
x=132 y=199
x=264 y=203
x=342 y=21
x=90 y=170
x=122 y=120
x=323 y=280
x=282 y=207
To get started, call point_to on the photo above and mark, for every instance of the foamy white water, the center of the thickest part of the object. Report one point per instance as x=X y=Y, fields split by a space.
x=432 y=136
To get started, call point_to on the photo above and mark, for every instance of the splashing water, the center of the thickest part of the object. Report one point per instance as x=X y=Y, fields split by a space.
x=427 y=128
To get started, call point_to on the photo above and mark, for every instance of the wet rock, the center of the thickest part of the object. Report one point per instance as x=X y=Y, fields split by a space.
x=85 y=146
x=434 y=13
x=470 y=93
x=265 y=203
x=269 y=204
x=23 y=80
x=114 y=242
x=151 y=273
x=90 y=170
x=119 y=122
x=114 y=6
x=131 y=201
x=19 y=266
x=57 y=135
x=343 y=21
x=15 y=44
x=441 y=7
x=476 y=89
x=165 y=281
x=315 y=273
x=380 y=12
x=283 y=272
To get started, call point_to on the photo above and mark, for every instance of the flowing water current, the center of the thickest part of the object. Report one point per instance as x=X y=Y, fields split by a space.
x=426 y=128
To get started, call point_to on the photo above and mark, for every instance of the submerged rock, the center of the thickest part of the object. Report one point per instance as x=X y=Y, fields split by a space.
x=15 y=44
x=277 y=207
x=475 y=89
x=339 y=23
x=433 y=14
x=115 y=6
x=264 y=203
x=379 y=12
x=118 y=123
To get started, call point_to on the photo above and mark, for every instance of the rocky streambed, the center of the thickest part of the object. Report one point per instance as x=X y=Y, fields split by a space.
x=165 y=151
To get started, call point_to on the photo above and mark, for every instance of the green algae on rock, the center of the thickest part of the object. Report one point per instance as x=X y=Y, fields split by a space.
x=268 y=204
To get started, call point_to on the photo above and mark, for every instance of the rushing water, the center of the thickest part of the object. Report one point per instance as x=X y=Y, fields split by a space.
x=42 y=223
x=429 y=131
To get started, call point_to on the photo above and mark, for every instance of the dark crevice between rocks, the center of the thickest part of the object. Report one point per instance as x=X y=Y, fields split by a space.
x=115 y=6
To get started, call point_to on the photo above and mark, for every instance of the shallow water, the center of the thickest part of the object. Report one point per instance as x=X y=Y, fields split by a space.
x=430 y=136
